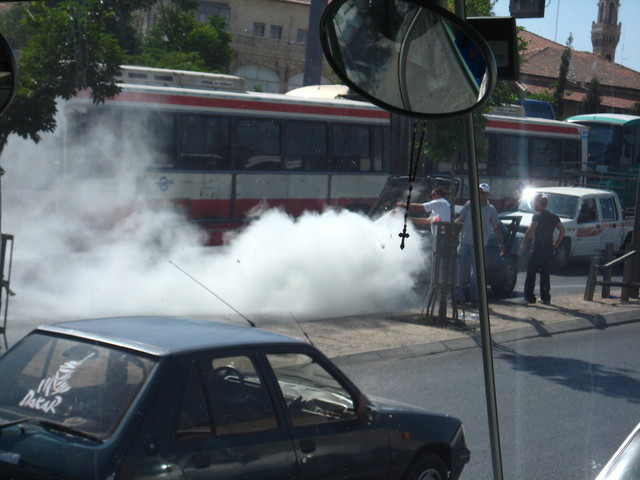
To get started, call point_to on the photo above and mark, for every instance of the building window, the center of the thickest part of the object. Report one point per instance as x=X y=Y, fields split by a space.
x=213 y=9
x=301 y=37
x=258 y=29
x=276 y=32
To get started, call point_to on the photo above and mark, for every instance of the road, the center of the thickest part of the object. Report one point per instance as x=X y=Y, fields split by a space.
x=566 y=402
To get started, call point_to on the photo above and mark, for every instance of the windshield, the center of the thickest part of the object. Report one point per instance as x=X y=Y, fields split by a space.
x=564 y=206
x=605 y=142
x=84 y=386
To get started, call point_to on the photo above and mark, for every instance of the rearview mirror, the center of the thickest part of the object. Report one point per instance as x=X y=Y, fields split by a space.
x=408 y=57
x=8 y=74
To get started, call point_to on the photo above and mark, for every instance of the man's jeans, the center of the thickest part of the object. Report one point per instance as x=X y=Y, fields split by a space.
x=468 y=272
x=539 y=261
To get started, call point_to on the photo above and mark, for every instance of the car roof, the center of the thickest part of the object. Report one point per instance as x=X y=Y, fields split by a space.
x=159 y=335
x=573 y=191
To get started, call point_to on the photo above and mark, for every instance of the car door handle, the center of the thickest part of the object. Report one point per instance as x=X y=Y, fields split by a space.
x=308 y=446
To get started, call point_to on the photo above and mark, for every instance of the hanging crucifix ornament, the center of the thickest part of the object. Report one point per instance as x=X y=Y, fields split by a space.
x=414 y=161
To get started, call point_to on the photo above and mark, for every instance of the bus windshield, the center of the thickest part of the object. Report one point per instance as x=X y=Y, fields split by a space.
x=604 y=146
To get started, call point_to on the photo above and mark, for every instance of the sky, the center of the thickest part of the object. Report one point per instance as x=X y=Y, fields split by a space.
x=564 y=17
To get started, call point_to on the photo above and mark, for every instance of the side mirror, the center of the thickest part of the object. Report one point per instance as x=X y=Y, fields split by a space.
x=408 y=57
x=8 y=74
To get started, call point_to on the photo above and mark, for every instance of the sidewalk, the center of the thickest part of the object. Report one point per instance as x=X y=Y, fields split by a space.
x=406 y=334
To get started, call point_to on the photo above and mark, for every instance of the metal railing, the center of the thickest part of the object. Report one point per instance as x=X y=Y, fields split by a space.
x=630 y=287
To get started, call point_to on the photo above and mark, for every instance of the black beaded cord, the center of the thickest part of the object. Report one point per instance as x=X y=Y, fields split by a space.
x=413 y=172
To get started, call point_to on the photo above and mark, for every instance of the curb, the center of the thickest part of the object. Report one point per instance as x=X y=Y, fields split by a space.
x=466 y=341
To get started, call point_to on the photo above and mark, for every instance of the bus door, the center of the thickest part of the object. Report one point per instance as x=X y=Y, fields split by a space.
x=589 y=228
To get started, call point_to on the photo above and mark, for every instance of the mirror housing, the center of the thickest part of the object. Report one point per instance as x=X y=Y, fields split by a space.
x=408 y=57
x=8 y=74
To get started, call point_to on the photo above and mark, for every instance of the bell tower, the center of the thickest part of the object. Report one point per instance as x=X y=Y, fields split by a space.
x=605 y=33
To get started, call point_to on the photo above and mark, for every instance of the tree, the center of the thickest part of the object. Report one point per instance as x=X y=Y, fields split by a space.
x=181 y=41
x=66 y=47
x=593 y=101
x=561 y=86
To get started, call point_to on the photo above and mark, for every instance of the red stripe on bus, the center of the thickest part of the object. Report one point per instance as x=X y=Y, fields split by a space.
x=533 y=127
x=240 y=104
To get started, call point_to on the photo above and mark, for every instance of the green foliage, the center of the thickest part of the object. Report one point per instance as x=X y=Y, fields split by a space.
x=593 y=101
x=66 y=47
x=180 y=41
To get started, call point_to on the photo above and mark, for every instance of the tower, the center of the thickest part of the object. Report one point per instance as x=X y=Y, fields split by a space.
x=605 y=33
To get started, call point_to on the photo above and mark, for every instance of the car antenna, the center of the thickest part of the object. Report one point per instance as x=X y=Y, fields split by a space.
x=212 y=293
x=295 y=320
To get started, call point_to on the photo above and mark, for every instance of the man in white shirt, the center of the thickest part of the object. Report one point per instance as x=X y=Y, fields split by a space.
x=438 y=207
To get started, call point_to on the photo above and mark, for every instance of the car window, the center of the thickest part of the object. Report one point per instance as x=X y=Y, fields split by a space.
x=312 y=394
x=238 y=397
x=588 y=211
x=607 y=209
x=83 y=385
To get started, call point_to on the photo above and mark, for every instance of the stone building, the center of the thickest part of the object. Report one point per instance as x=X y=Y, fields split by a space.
x=269 y=37
x=270 y=40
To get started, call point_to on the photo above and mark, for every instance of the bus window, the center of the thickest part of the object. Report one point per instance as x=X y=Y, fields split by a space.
x=257 y=144
x=351 y=148
x=153 y=144
x=630 y=146
x=94 y=145
x=380 y=149
x=512 y=156
x=305 y=146
x=545 y=158
x=204 y=143
x=570 y=153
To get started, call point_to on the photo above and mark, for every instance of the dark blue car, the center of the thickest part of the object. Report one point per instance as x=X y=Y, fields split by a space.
x=171 y=398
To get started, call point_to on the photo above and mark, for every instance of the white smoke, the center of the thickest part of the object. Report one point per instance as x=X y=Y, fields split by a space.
x=77 y=254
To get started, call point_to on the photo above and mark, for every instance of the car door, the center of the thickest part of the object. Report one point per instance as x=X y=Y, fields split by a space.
x=330 y=441
x=588 y=229
x=612 y=227
x=227 y=426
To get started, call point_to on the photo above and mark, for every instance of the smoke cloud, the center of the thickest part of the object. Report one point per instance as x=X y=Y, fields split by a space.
x=78 y=254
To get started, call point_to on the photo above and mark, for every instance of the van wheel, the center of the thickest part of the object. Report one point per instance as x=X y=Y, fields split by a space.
x=429 y=467
x=561 y=260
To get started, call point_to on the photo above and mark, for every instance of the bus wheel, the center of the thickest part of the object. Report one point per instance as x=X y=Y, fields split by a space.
x=561 y=260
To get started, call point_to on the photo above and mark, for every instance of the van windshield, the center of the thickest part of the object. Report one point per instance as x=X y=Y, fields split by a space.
x=562 y=205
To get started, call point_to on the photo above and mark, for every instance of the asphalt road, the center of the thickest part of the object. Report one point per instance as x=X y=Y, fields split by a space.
x=566 y=402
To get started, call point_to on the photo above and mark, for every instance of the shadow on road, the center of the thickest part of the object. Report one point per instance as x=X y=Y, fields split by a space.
x=577 y=374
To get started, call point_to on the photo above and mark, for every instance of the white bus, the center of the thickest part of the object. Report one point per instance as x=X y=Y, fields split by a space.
x=219 y=152
x=524 y=152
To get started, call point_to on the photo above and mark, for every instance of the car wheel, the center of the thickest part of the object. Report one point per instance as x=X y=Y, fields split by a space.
x=429 y=467
x=561 y=260
x=508 y=280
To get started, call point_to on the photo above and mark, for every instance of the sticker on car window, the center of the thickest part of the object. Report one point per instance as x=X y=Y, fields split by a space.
x=48 y=395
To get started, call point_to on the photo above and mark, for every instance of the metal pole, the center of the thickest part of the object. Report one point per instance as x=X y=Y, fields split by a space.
x=483 y=304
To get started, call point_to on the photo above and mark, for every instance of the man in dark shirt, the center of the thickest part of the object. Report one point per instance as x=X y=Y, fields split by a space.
x=542 y=228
